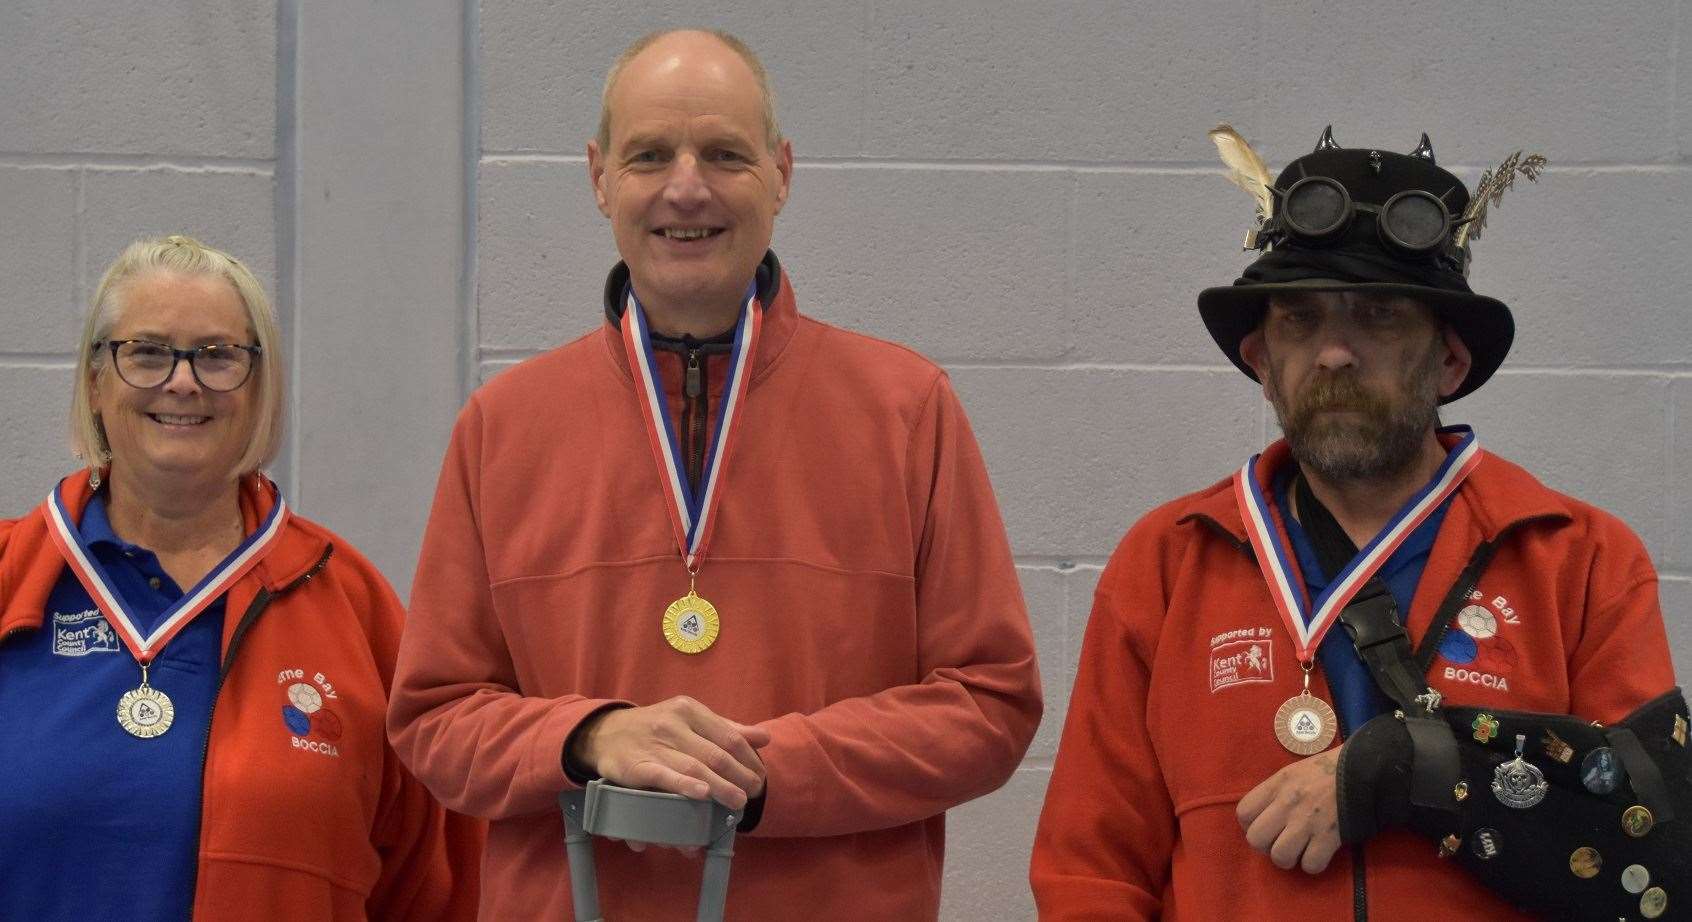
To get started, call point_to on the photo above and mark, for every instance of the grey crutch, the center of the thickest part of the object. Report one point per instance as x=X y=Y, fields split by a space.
x=603 y=809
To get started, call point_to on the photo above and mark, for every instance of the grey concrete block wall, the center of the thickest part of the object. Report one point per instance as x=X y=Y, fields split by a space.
x=1022 y=191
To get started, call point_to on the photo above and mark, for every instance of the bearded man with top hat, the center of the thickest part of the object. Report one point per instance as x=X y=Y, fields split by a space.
x=1378 y=671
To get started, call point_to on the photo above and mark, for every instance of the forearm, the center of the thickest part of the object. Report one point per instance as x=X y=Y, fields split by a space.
x=898 y=756
x=486 y=751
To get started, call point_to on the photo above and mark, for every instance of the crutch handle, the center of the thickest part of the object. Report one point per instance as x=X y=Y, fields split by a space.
x=654 y=817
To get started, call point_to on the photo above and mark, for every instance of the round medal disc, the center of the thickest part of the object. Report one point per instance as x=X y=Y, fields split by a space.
x=1585 y=862
x=691 y=624
x=145 y=712
x=1637 y=821
x=1653 y=903
x=1305 y=724
x=1635 y=878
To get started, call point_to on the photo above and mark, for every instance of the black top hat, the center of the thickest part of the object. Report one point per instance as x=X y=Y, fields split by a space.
x=1348 y=219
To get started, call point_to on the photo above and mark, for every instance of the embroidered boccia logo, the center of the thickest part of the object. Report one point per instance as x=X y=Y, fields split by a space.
x=304 y=713
x=1475 y=650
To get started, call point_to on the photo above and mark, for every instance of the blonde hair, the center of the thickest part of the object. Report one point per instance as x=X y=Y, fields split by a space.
x=184 y=256
x=772 y=132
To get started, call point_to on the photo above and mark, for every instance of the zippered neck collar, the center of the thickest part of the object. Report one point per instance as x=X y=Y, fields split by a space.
x=775 y=297
x=767 y=277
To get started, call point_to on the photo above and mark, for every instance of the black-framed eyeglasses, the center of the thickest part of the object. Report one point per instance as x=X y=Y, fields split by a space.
x=145 y=365
x=1318 y=209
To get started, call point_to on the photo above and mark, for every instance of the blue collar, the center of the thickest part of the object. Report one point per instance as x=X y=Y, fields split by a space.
x=96 y=526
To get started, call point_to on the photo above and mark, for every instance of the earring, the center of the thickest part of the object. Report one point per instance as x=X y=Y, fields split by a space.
x=94 y=478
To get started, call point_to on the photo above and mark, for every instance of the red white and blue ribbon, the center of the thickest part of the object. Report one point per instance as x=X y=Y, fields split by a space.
x=692 y=513
x=145 y=647
x=1309 y=625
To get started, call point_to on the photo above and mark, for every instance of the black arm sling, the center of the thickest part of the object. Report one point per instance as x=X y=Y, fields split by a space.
x=1452 y=773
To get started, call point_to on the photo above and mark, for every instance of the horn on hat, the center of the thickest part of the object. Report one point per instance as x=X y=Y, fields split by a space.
x=1424 y=150
x=1327 y=141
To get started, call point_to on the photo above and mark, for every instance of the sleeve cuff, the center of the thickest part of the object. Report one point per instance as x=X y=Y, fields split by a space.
x=578 y=773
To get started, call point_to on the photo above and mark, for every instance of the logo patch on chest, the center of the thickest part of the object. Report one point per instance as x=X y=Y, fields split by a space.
x=1238 y=657
x=1477 y=645
x=79 y=633
x=312 y=725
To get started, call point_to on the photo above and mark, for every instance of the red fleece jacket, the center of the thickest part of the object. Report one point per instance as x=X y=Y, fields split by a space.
x=871 y=621
x=1168 y=726
x=337 y=831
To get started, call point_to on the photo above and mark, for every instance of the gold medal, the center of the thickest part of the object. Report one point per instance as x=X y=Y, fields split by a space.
x=145 y=712
x=691 y=623
x=1305 y=724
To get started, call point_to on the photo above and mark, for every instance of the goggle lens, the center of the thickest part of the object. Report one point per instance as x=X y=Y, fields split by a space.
x=1415 y=220
x=1316 y=206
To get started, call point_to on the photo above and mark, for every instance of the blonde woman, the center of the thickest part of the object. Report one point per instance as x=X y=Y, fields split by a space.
x=193 y=678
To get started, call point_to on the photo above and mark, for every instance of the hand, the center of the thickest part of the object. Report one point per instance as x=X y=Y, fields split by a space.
x=678 y=746
x=1294 y=816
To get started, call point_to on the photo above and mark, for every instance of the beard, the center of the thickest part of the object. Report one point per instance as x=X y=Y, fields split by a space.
x=1381 y=440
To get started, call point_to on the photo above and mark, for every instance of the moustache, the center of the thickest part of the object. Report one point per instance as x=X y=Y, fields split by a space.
x=1337 y=392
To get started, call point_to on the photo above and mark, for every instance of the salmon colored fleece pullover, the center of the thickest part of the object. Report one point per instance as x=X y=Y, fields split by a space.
x=871 y=621
x=324 y=834
x=1168 y=727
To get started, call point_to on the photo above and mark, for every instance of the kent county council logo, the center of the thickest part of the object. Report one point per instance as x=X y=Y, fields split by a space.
x=1477 y=652
x=79 y=633
x=312 y=726
x=1238 y=657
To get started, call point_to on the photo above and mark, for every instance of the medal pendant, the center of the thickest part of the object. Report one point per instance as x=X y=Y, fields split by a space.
x=1305 y=724
x=145 y=712
x=1518 y=783
x=691 y=624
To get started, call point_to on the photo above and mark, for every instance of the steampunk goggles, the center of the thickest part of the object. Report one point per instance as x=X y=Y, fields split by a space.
x=1319 y=210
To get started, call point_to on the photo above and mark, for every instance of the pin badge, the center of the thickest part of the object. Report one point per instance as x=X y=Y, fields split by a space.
x=1637 y=821
x=1486 y=727
x=1680 y=729
x=1461 y=791
x=1635 y=878
x=1556 y=748
x=1601 y=771
x=1448 y=846
x=1487 y=843
x=1585 y=862
x=1518 y=783
x=1653 y=903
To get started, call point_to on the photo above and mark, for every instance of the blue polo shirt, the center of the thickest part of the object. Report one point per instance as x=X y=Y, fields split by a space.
x=1356 y=696
x=95 y=823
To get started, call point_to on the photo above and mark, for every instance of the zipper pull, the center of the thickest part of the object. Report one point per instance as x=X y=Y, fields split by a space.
x=693 y=383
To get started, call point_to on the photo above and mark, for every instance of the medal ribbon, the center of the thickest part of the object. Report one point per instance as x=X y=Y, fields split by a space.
x=691 y=515
x=1274 y=556
x=93 y=577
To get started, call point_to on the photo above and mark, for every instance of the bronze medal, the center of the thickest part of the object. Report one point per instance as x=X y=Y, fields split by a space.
x=1305 y=724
